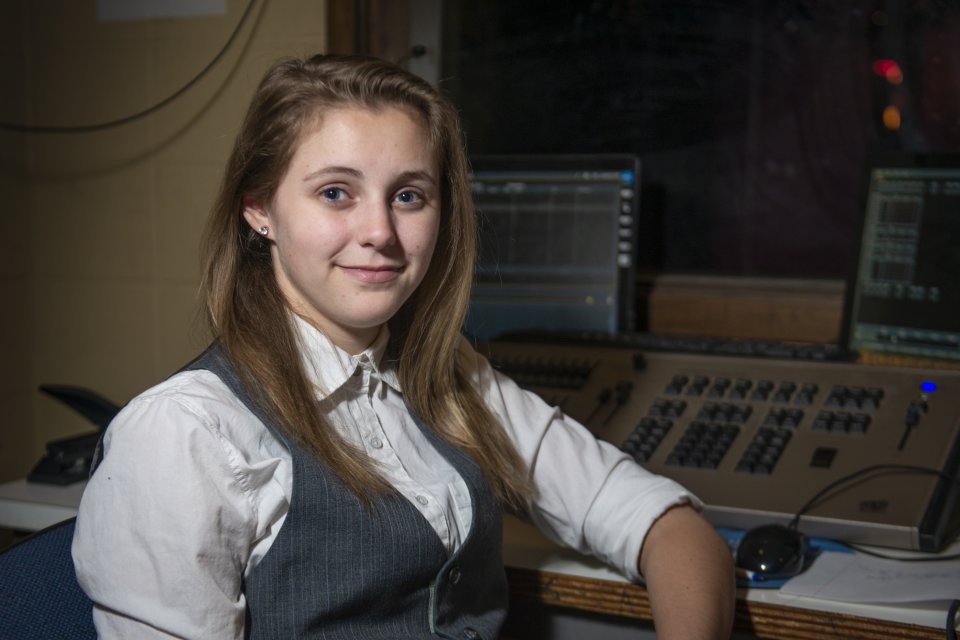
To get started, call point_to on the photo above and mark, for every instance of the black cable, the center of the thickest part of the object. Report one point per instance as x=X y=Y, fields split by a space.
x=951 y=630
x=952 y=620
x=883 y=556
x=23 y=128
x=794 y=523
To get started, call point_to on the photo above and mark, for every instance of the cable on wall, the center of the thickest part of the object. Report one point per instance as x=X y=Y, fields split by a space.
x=24 y=128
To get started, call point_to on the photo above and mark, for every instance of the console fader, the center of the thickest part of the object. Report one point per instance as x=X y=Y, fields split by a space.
x=756 y=439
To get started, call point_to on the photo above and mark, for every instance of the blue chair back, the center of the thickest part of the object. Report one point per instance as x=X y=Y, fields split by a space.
x=40 y=598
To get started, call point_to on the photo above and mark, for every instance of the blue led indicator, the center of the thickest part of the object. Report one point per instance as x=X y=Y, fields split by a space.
x=928 y=386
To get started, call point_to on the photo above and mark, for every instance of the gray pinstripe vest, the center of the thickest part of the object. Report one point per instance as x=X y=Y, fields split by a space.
x=339 y=570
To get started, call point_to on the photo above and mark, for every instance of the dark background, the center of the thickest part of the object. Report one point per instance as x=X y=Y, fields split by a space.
x=753 y=119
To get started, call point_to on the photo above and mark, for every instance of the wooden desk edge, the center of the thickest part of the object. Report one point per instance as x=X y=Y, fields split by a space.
x=760 y=619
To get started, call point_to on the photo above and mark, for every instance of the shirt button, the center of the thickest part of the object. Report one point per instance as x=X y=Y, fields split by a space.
x=422 y=500
x=455 y=575
x=376 y=442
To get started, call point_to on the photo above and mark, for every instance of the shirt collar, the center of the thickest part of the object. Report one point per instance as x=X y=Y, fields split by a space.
x=328 y=367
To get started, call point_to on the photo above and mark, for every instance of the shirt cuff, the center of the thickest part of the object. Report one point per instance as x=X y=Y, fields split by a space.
x=625 y=510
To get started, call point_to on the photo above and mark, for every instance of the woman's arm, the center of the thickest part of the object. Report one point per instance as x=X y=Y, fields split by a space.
x=166 y=523
x=594 y=498
x=689 y=574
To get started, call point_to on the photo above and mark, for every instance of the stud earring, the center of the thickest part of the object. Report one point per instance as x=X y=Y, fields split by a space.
x=263 y=230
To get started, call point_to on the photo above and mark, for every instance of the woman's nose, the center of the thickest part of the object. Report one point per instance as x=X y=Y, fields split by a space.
x=376 y=226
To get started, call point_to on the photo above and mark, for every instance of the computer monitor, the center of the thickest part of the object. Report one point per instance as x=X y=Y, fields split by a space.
x=903 y=299
x=557 y=243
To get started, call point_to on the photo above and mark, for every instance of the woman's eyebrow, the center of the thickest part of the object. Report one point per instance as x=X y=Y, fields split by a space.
x=417 y=176
x=326 y=171
x=406 y=176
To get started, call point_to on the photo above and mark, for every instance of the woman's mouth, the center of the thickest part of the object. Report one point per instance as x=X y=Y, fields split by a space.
x=374 y=275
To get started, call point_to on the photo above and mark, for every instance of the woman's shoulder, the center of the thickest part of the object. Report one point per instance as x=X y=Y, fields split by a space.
x=191 y=395
x=198 y=408
x=198 y=384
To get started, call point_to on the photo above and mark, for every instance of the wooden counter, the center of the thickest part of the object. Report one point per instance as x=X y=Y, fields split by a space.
x=541 y=573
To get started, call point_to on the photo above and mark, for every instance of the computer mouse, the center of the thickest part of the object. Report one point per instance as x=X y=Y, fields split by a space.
x=772 y=551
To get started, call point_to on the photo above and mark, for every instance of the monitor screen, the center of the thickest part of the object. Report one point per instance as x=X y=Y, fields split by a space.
x=905 y=294
x=557 y=243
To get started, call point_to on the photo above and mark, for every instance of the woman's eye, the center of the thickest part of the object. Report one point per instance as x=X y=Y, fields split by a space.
x=409 y=198
x=332 y=194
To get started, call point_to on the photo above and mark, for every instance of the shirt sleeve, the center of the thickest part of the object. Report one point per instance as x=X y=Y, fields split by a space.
x=589 y=495
x=166 y=523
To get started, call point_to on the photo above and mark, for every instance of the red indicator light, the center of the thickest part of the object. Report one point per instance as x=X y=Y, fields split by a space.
x=888 y=69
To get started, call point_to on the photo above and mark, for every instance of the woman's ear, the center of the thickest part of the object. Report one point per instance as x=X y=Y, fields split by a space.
x=256 y=216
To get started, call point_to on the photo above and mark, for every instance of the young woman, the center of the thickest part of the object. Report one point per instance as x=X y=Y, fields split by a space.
x=335 y=465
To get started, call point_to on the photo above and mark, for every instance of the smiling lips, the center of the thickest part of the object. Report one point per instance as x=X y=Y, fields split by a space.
x=374 y=274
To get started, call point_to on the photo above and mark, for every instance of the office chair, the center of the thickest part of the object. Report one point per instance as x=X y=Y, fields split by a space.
x=40 y=598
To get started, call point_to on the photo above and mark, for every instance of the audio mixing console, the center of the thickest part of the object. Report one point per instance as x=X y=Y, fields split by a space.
x=756 y=439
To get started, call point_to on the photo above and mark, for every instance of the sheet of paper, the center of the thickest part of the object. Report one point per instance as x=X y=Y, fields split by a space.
x=857 y=577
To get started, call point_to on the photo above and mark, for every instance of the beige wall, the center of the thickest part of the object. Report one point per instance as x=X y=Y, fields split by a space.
x=98 y=267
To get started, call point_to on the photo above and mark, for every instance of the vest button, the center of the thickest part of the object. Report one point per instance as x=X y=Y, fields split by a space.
x=455 y=575
x=471 y=634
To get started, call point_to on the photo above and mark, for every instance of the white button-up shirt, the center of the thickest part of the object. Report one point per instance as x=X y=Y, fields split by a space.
x=193 y=488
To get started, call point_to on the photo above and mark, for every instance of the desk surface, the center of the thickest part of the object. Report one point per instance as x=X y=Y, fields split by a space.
x=29 y=506
x=544 y=573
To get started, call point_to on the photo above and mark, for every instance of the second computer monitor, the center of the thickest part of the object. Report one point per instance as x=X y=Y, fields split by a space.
x=903 y=299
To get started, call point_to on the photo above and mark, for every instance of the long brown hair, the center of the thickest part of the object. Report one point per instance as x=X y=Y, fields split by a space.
x=249 y=314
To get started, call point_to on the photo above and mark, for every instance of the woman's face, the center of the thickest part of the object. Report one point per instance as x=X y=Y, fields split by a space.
x=354 y=221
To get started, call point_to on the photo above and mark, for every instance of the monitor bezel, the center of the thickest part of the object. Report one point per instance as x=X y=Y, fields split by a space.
x=879 y=160
x=627 y=312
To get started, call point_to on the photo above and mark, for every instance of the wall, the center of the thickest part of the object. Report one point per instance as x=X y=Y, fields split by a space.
x=15 y=294
x=99 y=270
